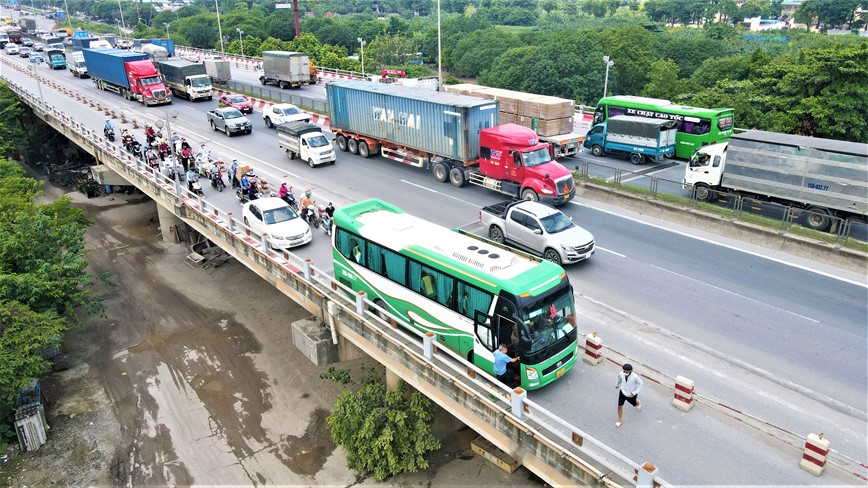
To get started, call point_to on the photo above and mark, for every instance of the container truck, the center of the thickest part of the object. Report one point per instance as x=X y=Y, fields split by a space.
x=55 y=58
x=285 y=69
x=167 y=44
x=456 y=137
x=186 y=79
x=638 y=138
x=307 y=142
x=825 y=178
x=130 y=74
x=14 y=34
x=79 y=43
x=154 y=52
x=218 y=70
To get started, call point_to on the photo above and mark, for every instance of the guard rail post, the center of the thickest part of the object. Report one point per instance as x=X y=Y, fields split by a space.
x=428 y=346
x=519 y=395
x=307 y=265
x=360 y=303
x=264 y=241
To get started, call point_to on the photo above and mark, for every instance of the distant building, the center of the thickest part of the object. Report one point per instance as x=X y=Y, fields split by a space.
x=789 y=7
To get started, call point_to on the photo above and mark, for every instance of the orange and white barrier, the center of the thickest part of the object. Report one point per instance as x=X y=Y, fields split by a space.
x=683 y=399
x=814 y=457
x=593 y=349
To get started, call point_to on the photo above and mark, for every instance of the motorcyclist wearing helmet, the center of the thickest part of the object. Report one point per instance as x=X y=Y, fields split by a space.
x=305 y=204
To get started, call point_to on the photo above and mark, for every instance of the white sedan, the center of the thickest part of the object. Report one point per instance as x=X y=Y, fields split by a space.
x=273 y=216
x=282 y=113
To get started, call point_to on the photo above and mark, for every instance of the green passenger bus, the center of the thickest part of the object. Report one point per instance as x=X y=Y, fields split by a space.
x=472 y=294
x=697 y=127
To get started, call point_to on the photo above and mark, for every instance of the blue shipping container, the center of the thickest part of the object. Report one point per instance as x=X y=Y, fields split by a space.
x=442 y=124
x=169 y=44
x=79 y=43
x=80 y=33
x=108 y=64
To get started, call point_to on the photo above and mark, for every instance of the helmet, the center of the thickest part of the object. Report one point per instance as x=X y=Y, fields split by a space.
x=202 y=145
x=628 y=367
x=307 y=193
x=251 y=173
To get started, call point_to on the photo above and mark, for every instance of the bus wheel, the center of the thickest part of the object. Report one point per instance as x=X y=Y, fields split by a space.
x=342 y=142
x=441 y=172
x=636 y=159
x=457 y=177
x=364 y=150
x=597 y=151
x=353 y=146
x=381 y=304
x=702 y=193
x=818 y=219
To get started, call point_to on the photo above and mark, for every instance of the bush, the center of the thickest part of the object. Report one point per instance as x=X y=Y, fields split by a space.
x=383 y=432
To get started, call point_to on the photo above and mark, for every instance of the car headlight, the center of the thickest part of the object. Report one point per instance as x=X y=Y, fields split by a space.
x=568 y=248
x=532 y=374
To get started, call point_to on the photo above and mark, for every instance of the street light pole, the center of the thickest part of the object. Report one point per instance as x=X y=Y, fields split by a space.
x=167 y=28
x=219 y=29
x=159 y=123
x=123 y=25
x=606 y=82
x=38 y=84
x=362 y=42
x=439 y=50
x=240 y=38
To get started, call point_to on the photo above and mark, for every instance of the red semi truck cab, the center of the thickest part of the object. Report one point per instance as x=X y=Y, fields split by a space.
x=146 y=82
x=513 y=154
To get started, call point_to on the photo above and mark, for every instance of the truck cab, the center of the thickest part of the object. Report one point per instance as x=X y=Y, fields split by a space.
x=513 y=154
x=146 y=83
x=55 y=59
x=77 y=65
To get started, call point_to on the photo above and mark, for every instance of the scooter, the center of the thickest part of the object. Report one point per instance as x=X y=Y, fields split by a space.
x=311 y=216
x=217 y=181
x=326 y=221
x=289 y=199
x=244 y=197
x=196 y=188
x=109 y=133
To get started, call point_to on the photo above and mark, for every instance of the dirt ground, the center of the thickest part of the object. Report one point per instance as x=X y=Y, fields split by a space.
x=192 y=378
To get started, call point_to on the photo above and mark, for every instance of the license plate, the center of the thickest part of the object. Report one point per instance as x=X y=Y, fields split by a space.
x=559 y=373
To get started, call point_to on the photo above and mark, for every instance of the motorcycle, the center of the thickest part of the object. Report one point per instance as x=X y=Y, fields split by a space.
x=196 y=188
x=109 y=133
x=244 y=197
x=289 y=199
x=217 y=181
x=325 y=219
x=310 y=214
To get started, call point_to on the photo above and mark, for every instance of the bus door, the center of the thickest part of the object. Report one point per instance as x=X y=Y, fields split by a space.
x=498 y=329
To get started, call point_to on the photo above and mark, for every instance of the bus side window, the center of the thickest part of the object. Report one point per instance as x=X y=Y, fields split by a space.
x=472 y=300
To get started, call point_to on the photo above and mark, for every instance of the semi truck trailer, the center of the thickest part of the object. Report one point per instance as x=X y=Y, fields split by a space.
x=218 y=70
x=130 y=74
x=827 y=179
x=456 y=137
x=186 y=79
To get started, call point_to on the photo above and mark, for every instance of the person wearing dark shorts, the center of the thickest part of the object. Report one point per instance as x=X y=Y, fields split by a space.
x=629 y=384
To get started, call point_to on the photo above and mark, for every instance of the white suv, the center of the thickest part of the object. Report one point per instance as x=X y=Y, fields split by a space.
x=282 y=113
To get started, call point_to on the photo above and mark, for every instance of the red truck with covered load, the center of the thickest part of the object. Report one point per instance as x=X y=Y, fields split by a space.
x=456 y=137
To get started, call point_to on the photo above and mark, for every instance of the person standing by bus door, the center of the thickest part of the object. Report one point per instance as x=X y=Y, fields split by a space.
x=502 y=369
x=629 y=385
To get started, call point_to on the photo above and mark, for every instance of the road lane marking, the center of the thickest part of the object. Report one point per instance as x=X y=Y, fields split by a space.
x=725 y=246
x=439 y=193
x=611 y=252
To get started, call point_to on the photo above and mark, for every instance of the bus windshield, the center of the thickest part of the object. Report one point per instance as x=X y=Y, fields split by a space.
x=548 y=320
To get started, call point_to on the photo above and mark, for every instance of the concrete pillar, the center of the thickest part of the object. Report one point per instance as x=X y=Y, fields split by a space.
x=393 y=381
x=168 y=222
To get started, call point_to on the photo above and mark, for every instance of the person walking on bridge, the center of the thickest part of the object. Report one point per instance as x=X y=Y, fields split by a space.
x=629 y=384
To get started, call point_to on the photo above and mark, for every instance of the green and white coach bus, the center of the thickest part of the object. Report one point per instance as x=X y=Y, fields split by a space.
x=471 y=293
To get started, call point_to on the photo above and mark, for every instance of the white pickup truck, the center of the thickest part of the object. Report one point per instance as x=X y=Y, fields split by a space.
x=307 y=142
x=539 y=229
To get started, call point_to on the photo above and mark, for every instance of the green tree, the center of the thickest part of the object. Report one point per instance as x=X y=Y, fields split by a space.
x=477 y=51
x=387 y=50
x=23 y=333
x=633 y=49
x=384 y=433
x=663 y=81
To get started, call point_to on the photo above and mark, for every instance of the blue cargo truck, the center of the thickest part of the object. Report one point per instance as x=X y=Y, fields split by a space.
x=130 y=74
x=638 y=138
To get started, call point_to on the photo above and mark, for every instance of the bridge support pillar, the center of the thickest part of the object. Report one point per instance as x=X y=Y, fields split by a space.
x=393 y=381
x=168 y=222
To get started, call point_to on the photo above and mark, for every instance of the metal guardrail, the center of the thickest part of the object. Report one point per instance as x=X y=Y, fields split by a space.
x=276 y=94
x=535 y=436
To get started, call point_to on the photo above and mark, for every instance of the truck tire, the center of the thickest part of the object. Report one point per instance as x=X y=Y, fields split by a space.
x=441 y=172
x=268 y=122
x=636 y=158
x=597 y=151
x=551 y=255
x=311 y=163
x=282 y=85
x=529 y=194
x=703 y=193
x=364 y=150
x=353 y=146
x=213 y=127
x=263 y=80
x=290 y=154
x=817 y=218
x=495 y=234
x=342 y=142
x=457 y=177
